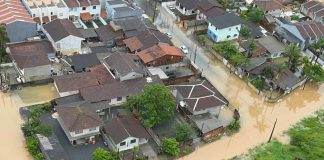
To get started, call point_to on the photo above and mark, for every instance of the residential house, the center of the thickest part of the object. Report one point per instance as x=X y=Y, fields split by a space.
x=199 y=97
x=314 y=10
x=89 y=34
x=79 y=124
x=132 y=26
x=302 y=33
x=187 y=7
x=124 y=12
x=274 y=47
x=31 y=59
x=116 y=93
x=111 y=5
x=257 y=51
x=225 y=27
x=81 y=62
x=146 y=39
x=123 y=67
x=64 y=36
x=125 y=133
x=102 y=74
x=272 y=7
x=18 y=23
x=83 y=9
x=207 y=9
x=254 y=63
x=108 y=36
x=161 y=55
x=70 y=84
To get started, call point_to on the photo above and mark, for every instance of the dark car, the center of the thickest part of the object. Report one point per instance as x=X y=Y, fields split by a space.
x=171 y=76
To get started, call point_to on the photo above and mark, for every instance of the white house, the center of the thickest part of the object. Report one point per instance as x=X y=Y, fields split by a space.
x=124 y=133
x=64 y=36
x=225 y=27
x=84 y=9
x=79 y=124
x=187 y=7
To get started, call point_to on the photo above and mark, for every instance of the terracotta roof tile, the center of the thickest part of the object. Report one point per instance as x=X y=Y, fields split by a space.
x=13 y=10
x=75 y=81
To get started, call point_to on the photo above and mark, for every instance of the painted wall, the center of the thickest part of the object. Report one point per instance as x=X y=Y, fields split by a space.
x=115 y=102
x=212 y=110
x=69 y=44
x=185 y=11
x=110 y=8
x=131 y=75
x=225 y=34
x=275 y=13
x=128 y=145
x=85 y=132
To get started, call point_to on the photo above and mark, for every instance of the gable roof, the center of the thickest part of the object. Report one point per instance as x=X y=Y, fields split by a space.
x=102 y=74
x=157 y=51
x=310 y=29
x=123 y=63
x=80 y=61
x=12 y=11
x=107 y=33
x=88 y=33
x=268 y=5
x=271 y=44
x=311 y=4
x=226 y=20
x=120 y=129
x=188 y=4
x=287 y=79
x=78 y=118
x=200 y=95
x=30 y=54
x=61 y=28
x=75 y=81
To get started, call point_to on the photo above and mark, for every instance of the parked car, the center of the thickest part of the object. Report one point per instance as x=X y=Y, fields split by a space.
x=184 y=49
x=171 y=75
x=168 y=34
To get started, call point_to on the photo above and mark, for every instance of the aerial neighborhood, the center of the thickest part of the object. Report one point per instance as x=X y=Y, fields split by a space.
x=135 y=79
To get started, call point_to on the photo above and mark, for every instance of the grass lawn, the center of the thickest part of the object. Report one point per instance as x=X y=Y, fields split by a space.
x=98 y=22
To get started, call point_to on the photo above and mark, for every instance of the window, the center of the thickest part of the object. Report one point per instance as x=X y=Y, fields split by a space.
x=78 y=132
x=235 y=35
x=93 y=129
x=34 y=15
x=133 y=141
x=94 y=7
x=230 y=29
x=228 y=36
x=122 y=143
x=51 y=13
x=119 y=98
x=84 y=8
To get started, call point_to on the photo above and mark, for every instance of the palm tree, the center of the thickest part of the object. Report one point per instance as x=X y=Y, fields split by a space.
x=317 y=48
x=294 y=57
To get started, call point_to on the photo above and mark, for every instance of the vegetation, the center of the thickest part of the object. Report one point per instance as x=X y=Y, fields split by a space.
x=170 y=147
x=294 y=17
x=202 y=39
x=234 y=126
x=317 y=48
x=253 y=14
x=307 y=142
x=251 y=45
x=293 y=54
x=239 y=60
x=245 y=32
x=183 y=131
x=267 y=72
x=228 y=49
x=102 y=154
x=258 y=83
x=154 y=106
x=4 y=57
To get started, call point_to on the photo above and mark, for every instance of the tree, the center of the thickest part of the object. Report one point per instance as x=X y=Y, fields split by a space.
x=245 y=32
x=259 y=84
x=170 y=146
x=312 y=72
x=44 y=130
x=227 y=48
x=255 y=14
x=317 y=48
x=102 y=154
x=234 y=125
x=32 y=145
x=183 y=131
x=267 y=72
x=202 y=39
x=292 y=52
x=294 y=17
x=135 y=151
x=239 y=60
x=154 y=106
x=251 y=45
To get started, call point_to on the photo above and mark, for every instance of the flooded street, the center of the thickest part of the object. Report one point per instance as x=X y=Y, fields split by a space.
x=12 y=146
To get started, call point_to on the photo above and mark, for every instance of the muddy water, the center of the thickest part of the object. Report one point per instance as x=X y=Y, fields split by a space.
x=12 y=146
x=257 y=116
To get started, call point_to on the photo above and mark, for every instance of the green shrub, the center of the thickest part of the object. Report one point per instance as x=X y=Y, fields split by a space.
x=170 y=147
x=234 y=126
x=183 y=131
x=44 y=130
x=32 y=145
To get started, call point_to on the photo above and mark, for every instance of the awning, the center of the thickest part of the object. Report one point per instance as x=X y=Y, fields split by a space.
x=85 y=16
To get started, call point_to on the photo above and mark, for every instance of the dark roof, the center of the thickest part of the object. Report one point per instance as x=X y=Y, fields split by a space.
x=268 y=5
x=79 y=62
x=67 y=99
x=210 y=8
x=200 y=95
x=271 y=44
x=99 y=49
x=255 y=29
x=88 y=33
x=78 y=118
x=123 y=12
x=61 y=28
x=123 y=63
x=75 y=81
x=310 y=29
x=121 y=128
x=255 y=62
x=107 y=33
x=226 y=20
x=286 y=79
x=257 y=70
x=31 y=54
x=188 y=4
x=109 y=91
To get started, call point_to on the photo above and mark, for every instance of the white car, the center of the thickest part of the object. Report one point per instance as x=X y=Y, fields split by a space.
x=168 y=34
x=184 y=49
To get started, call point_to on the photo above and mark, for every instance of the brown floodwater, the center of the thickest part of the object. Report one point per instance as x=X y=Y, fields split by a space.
x=257 y=116
x=12 y=146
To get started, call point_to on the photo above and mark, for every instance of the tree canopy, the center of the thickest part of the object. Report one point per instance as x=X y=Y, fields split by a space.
x=313 y=71
x=245 y=32
x=183 y=131
x=154 y=106
x=293 y=54
x=170 y=146
x=255 y=14
x=102 y=154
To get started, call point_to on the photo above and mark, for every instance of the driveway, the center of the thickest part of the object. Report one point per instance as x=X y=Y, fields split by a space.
x=257 y=116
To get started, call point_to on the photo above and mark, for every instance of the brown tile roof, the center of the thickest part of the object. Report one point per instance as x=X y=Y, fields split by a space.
x=75 y=81
x=200 y=95
x=102 y=74
x=95 y=2
x=12 y=11
x=61 y=28
x=84 y=3
x=123 y=63
x=268 y=5
x=107 y=33
x=310 y=4
x=31 y=54
x=45 y=19
x=71 y=3
x=86 y=16
x=103 y=13
x=310 y=29
x=78 y=118
x=157 y=51
x=121 y=128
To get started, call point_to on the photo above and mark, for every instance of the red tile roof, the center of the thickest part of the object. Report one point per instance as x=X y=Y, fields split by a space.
x=268 y=5
x=13 y=10
x=75 y=81
x=158 y=51
x=85 y=16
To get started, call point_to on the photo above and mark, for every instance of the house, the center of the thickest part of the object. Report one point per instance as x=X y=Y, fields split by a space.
x=123 y=67
x=111 y=5
x=79 y=124
x=314 y=10
x=160 y=55
x=207 y=9
x=18 y=23
x=199 y=97
x=132 y=26
x=225 y=27
x=301 y=33
x=274 y=47
x=81 y=62
x=70 y=84
x=108 y=36
x=272 y=7
x=102 y=74
x=83 y=9
x=187 y=7
x=125 y=133
x=89 y=34
x=64 y=36
x=115 y=94
x=257 y=51
x=254 y=63
x=146 y=39
x=31 y=59
x=124 y=12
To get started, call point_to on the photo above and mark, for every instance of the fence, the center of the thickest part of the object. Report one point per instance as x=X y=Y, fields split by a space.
x=193 y=23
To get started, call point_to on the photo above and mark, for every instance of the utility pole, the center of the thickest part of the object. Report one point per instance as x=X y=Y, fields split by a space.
x=195 y=55
x=274 y=125
x=154 y=10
